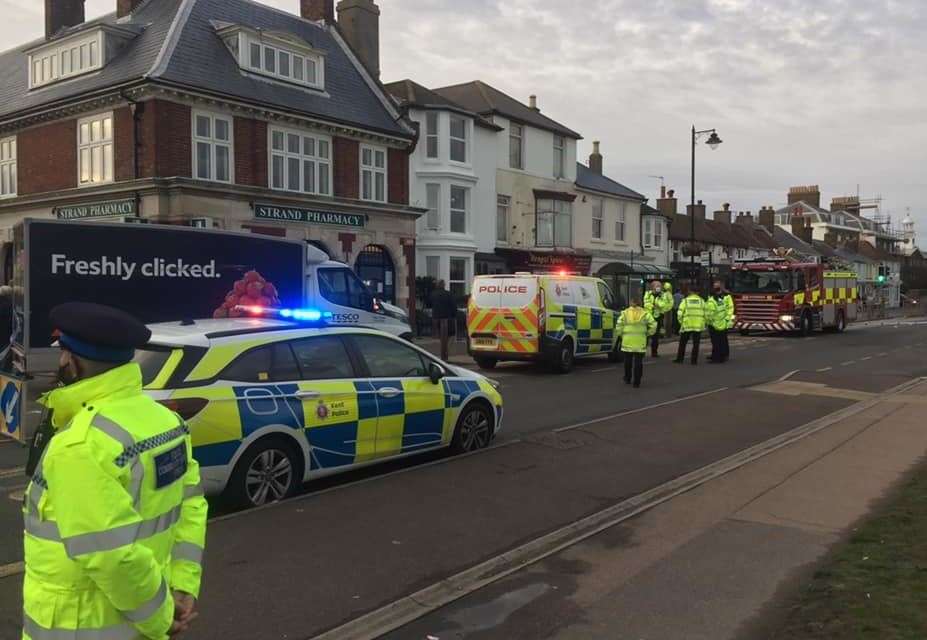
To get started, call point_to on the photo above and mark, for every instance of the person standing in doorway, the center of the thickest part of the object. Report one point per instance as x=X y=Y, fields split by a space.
x=443 y=312
x=635 y=326
x=692 y=315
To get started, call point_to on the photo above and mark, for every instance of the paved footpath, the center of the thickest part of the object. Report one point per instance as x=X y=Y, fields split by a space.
x=705 y=564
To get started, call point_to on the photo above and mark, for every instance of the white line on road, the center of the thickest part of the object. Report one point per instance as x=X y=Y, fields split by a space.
x=633 y=411
x=12 y=569
x=866 y=358
x=6 y=473
x=847 y=363
x=881 y=355
x=825 y=369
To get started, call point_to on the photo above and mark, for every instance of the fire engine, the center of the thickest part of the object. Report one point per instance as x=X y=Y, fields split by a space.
x=774 y=294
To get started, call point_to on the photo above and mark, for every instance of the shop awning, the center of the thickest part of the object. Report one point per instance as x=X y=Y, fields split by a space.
x=637 y=269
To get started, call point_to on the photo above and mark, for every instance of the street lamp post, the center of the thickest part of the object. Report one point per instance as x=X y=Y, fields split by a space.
x=713 y=142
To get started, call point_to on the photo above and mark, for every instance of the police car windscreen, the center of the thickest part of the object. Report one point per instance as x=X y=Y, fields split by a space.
x=504 y=293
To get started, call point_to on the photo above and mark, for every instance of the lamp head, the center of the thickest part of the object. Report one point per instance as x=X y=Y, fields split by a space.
x=714 y=140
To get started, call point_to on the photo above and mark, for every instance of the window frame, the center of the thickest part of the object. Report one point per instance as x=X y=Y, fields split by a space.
x=352 y=374
x=621 y=224
x=433 y=135
x=369 y=295
x=598 y=205
x=288 y=155
x=374 y=171
x=433 y=217
x=10 y=166
x=521 y=144
x=102 y=144
x=467 y=278
x=355 y=347
x=280 y=48
x=658 y=234
x=452 y=210
x=54 y=56
x=452 y=139
x=272 y=347
x=559 y=156
x=648 y=233
x=507 y=207
x=556 y=214
x=214 y=143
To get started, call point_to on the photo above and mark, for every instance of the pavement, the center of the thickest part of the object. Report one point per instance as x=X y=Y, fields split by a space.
x=440 y=544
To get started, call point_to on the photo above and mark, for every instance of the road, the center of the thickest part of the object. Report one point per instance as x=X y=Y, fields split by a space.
x=573 y=446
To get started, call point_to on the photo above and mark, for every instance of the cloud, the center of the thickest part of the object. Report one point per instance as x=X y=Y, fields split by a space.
x=801 y=91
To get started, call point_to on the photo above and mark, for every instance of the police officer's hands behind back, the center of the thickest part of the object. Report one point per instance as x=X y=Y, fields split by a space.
x=184 y=613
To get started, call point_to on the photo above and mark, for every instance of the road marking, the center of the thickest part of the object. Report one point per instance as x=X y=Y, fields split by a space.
x=793 y=388
x=12 y=569
x=866 y=358
x=881 y=355
x=633 y=411
x=825 y=369
x=6 y=473
x=401 y=612
x=847 y=363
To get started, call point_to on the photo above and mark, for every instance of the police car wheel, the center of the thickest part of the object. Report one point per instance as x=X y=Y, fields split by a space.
x=474 y=429
x=266 y=473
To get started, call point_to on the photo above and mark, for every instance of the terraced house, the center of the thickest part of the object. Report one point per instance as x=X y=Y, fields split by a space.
x=217 y=113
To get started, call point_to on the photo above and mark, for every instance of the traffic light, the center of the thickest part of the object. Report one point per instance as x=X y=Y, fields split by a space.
x=881 y=279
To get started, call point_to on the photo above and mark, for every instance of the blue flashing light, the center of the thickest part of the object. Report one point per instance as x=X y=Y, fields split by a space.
x=310 y=316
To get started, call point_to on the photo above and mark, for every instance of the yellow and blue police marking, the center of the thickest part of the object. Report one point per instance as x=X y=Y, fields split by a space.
x=594 y=328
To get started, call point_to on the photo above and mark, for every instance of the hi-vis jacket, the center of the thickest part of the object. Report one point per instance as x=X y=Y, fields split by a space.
x=635 y=324
x=659 y=304
x=692 y=314
x=729 y=308
x=115 y=517
x=718 y=315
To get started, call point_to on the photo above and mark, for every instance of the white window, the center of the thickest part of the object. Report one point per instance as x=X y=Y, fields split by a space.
x=657 y=234
x=516 y=146
x=559 y=156
x=71 y=57
x=433 y=267
x=212 y=147
x=7 y=167
x=597 y=215
x=275 y=59
x=95 y=149
x=503 y=211
x=458 y=139
x=648 y=233
x=458 y=283
x=653 y=234
x=459 y=201
x=620 y=223
x=433 y=202
x=554 y=223
x=431 y=134
x=373 y=173
x=300 y=161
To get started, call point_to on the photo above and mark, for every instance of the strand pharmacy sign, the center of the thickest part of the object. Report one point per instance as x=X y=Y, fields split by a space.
x=309 y=216
x=111 y=209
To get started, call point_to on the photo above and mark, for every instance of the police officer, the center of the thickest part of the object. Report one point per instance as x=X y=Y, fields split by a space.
x=731 y=314
x=692 y=315
x=657 y=301
x=635 y=326
x=717 y=324
x=115 y=518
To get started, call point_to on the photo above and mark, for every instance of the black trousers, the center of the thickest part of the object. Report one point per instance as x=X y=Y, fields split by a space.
x=684 y=337
x=633 y=365
x=720 y=346
x=655 y=338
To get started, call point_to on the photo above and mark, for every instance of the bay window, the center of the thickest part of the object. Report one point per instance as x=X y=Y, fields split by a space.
x=95 y=149
x=212 y=147
x=459 y=202
x=373 y=173
x=458 y=139
x=458 y=281
x=554 y=223
x=431 y=135
x=433 y=200
x=300 y=162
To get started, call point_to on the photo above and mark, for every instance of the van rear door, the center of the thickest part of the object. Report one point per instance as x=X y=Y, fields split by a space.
x=503 y=314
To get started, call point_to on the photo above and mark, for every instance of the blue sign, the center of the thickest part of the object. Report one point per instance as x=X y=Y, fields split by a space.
x=9 y=406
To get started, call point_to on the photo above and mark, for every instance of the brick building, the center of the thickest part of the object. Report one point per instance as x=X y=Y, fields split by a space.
x=218 y=113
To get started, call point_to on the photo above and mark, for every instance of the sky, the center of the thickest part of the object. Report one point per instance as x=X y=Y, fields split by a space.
x=827 y=92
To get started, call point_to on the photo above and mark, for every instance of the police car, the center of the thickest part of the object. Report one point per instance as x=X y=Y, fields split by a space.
x=274 y=402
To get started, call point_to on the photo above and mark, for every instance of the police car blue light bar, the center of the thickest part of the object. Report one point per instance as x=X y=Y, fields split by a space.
x=299 y=315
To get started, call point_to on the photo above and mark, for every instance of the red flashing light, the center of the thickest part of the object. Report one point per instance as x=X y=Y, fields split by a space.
x=563 y=273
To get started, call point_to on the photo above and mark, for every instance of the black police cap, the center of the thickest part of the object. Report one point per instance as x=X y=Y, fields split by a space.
x=100 y=325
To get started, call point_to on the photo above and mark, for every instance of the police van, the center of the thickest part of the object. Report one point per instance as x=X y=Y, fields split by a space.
x=550 y=318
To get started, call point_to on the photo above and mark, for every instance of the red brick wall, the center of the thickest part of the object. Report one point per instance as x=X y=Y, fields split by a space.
x=173 y=145
x=346 y=171
x=47 y=158
x=124 y=142
x=398 y=174
x=250 y=152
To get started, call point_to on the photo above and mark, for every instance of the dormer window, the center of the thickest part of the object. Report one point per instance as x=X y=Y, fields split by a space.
x=70 y=57
x=278 y=56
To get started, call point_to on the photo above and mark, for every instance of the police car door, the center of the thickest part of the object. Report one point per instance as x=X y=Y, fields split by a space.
x=410 y=407
x=340 y=414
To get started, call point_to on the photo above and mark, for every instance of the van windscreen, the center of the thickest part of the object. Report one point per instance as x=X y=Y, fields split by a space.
x=505 y=293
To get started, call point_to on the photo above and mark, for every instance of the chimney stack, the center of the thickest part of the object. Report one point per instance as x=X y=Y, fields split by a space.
x=724 y=214
x=318 y=10
x=662 y=190
x=61 y=14
x=359 y=21
x=668 y=205
x=533 y=103
x=745 y=217
x=768 y=219
x=809 y=195
x=698 y=210
x=595 y=159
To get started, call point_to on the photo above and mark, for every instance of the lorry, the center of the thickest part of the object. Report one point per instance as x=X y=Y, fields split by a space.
x=773 y=294
x=161 y=273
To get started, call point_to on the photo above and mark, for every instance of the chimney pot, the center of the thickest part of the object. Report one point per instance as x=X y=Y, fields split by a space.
x=671 y=193
x=726 y=206
x=359 y=21
x=533 y=102
x=662 y=190
x=595 y=159
x=318 y=10
x=61 y=14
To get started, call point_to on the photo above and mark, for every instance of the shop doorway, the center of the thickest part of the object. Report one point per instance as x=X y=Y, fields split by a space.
x=376 y=268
